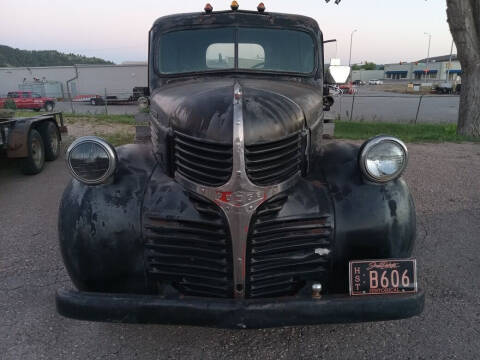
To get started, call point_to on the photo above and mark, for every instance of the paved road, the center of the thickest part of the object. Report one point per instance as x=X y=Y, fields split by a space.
x=370 y=105
x=445 y=181
x=373 y=105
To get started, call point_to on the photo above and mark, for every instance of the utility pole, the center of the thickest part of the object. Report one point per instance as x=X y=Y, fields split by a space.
x=351 y=40
x=428 y=52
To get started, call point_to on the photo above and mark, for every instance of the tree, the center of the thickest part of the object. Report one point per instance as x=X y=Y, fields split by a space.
x=464 y=21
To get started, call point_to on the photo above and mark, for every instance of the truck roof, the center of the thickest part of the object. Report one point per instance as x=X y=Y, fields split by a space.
x=236 y=17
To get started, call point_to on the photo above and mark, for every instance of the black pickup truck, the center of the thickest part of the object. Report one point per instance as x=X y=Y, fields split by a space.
x=238 y=213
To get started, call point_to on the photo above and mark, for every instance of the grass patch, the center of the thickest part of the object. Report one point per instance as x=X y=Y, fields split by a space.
x=405 y=132
x=98 y=118
x=117 y=139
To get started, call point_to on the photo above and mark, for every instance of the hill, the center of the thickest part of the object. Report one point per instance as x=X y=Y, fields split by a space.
x=10 y=57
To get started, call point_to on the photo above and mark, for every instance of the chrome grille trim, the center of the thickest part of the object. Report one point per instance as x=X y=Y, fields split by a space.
x=239 y=198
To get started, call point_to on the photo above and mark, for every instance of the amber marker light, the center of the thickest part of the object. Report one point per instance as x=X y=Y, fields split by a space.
x=234 y=5
x=208 y=8
x=261 y=7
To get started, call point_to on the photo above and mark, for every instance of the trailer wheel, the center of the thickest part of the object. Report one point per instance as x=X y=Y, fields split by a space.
x=51 y=139
x=49 y=106
x=35 y=160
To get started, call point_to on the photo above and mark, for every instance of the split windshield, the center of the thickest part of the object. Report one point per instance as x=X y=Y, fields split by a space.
x=256 y=49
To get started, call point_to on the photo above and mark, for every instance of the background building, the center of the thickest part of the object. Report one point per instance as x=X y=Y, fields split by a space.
x=436 y=69
x=82 y=79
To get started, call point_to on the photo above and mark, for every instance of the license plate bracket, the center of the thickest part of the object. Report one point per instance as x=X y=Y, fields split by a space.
x=382 y=276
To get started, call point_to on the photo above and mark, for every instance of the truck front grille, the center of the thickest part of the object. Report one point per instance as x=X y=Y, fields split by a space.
x=204 y=162
x=195 y=257
x=284 y=253
x=273 y=162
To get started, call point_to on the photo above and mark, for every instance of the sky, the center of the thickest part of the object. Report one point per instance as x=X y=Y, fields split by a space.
x=388 y=31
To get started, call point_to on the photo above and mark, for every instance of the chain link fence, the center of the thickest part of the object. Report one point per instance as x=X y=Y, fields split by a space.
x=396 y=108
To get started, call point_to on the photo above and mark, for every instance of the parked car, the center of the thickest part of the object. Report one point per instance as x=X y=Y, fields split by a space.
x=443 y=88
x=375 y=82
x=348 y=89
x=31 y=140
x=29 y=100
x=238 y=213
x=358 y=82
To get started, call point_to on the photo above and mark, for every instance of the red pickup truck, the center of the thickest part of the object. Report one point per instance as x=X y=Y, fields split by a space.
x=29 y=100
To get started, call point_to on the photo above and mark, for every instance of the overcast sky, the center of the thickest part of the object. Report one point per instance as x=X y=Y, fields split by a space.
x=389 y=31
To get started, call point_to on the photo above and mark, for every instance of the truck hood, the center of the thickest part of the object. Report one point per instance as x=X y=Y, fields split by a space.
x=203 y=108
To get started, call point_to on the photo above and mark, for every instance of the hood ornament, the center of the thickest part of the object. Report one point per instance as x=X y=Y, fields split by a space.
x=239 y=198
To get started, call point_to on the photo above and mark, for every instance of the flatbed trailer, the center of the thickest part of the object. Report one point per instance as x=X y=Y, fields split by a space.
x=32 y=140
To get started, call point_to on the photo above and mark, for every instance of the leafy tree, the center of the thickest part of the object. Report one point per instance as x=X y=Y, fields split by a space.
x=464 y=22
x=10 y=57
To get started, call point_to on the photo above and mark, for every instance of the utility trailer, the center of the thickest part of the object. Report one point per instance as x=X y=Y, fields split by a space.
x=33 y=140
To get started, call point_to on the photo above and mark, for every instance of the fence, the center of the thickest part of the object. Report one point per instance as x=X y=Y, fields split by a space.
x=396 y=108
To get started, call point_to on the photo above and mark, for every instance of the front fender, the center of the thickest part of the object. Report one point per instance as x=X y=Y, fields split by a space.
x=100 y=226
x=371 y=220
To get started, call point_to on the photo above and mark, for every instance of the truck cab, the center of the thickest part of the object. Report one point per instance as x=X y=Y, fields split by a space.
x=238 y=213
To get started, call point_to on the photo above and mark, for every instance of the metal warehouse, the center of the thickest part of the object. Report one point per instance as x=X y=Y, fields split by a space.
x=57 y=81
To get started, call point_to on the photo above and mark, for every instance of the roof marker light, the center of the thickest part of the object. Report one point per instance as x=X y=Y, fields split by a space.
x=208 y=8
x=261 y=7
x=234 y=5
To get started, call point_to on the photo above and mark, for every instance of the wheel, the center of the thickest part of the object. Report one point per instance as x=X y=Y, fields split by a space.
x=37 y=110
x=49 y=106
x=51 y=140
x=93 y=101
x=35 y=160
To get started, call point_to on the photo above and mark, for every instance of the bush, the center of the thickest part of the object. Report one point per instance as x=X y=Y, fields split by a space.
x=9 y=104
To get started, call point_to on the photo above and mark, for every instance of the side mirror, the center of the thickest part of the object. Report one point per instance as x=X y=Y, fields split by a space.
x=327 y=102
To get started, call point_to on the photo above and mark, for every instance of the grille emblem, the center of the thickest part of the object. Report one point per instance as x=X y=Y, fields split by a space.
x=239 y=197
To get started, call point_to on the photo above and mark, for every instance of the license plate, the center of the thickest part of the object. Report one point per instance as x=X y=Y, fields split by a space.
x=379 y=277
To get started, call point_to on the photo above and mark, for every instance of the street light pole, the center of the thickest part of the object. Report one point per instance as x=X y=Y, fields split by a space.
x=351 y=40
x=428 y=52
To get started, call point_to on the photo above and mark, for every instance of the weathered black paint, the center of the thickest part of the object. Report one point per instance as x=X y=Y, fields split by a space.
x=237 y=314
x=102 y=227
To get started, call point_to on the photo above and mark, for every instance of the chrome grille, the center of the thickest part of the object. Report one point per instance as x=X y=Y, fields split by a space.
x=202 y=161
x=195 y=257
x=284 y=253
x=273 y=162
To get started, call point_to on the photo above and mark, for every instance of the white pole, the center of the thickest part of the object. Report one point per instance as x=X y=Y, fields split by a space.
x=428 y=53
x=351 y=40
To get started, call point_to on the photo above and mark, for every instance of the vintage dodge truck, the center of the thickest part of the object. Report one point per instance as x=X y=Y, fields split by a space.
x=238 y=214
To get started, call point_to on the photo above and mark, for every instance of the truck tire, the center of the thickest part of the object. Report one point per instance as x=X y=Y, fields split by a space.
x=51 y=140
x=37 y=110
x=49 y=106
x=93 y=102
x=35 y=160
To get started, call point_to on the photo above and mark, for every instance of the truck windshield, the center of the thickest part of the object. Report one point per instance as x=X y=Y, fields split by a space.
x=256 y=49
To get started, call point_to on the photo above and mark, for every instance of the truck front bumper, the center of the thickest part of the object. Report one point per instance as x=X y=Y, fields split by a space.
x=230 y=313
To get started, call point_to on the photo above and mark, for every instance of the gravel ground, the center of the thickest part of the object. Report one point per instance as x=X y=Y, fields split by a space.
x=445 y=181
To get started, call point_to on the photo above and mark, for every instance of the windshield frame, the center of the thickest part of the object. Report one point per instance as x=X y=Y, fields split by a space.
x=236 y=69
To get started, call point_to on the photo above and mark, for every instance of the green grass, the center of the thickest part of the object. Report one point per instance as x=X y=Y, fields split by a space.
x=119 y=138
x=99 y=118
x=405 y=132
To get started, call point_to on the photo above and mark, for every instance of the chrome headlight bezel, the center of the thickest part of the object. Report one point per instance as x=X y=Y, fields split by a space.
x=109 y=150
x=371 y=144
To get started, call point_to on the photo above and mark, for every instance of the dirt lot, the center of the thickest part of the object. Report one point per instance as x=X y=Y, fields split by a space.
x=445 y=181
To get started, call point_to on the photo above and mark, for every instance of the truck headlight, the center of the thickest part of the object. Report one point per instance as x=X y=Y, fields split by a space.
x=383 y=158
x=91 y=160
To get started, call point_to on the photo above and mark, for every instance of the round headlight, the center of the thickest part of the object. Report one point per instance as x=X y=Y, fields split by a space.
x=91 y=160
x=383 y=158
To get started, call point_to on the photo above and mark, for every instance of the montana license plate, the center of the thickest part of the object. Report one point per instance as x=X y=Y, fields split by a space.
x=377 y=277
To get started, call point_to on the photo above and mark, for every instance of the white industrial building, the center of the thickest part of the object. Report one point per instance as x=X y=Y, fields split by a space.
x=435 y=69
x=82 y=79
